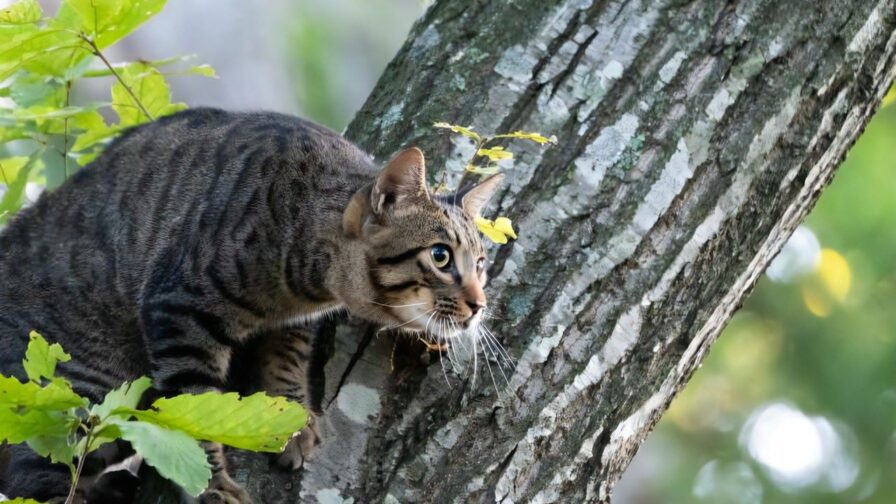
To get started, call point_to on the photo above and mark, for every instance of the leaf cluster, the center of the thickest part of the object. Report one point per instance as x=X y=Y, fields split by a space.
x=500 y=229
x=41 y=59
x=56 y=422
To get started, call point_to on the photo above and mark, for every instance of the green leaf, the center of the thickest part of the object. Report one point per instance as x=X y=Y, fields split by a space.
x=204 y=70
x=257 y=422
x=105 y=72
x=107 y=21
x=467 y=132
x=43 y=112
x=175 y=455
x=8 y=134
x=41 y=358
x=21 y=500
x=18 y=427
x=15 y=172
x=57 y=395
x=11 y=167
x=94 y=129
x=84 y=159
x=44 y=50
x=21 y=12
x=29 y=89
x=151 y=91
x=126 y=396
x=56 y=447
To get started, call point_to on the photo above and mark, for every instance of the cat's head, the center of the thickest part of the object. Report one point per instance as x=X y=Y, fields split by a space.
x=423 y=259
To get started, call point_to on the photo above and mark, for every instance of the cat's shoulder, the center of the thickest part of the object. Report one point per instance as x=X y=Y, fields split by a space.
x=207 y=119
x=224 y=125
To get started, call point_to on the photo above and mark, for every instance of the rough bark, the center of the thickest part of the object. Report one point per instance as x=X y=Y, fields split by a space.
x=693 y=137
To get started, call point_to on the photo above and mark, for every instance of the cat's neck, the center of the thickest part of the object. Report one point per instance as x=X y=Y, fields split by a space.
x=322 y=258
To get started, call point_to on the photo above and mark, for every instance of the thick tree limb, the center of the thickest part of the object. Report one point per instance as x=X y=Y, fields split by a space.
x=694 y=137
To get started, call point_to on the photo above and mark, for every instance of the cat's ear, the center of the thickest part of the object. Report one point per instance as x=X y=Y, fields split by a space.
x=357 y=213
x=474 y=199
x=402 y=179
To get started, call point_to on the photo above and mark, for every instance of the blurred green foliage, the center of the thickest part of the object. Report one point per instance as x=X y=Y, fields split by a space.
x=337 y=47
x=45 y=135
x=821 y=346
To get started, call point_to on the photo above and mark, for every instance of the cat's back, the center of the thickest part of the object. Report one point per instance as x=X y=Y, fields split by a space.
x=192 y=165
x=202 y=178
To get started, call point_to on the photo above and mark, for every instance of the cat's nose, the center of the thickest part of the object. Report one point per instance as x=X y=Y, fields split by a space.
x=475 y=305
x=474 y=298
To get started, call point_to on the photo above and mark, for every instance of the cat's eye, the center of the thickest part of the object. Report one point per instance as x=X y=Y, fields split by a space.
x=480 y=265
x=441 y=256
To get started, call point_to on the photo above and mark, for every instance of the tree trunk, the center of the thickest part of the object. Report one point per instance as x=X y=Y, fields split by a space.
x=693 y=137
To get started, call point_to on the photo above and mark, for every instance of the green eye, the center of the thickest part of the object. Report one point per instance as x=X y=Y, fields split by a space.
x=441 y=256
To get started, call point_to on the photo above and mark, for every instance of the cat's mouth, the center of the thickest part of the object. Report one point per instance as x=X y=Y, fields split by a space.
x=436 y=327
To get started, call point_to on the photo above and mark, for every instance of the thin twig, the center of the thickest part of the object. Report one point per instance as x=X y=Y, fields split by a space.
x=68 y=92
x=99 y=54
x=443 y=184
x=71 y=492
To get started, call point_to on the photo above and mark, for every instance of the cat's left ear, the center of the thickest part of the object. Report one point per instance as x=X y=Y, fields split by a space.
x=404 y=178
x=474 y=199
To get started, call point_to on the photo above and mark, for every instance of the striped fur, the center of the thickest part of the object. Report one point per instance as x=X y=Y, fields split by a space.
x=192 y=236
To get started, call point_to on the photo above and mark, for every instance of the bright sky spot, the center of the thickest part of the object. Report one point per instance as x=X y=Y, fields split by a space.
x=799 y=256
x=798 y=450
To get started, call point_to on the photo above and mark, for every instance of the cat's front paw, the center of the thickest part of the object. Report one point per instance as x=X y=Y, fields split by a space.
x=300 y=448
x=223 y=490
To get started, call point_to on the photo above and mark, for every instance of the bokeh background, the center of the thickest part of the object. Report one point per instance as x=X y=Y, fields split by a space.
x=796 y=403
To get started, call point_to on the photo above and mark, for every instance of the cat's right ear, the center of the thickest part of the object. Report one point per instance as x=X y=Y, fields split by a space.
x=404 y=178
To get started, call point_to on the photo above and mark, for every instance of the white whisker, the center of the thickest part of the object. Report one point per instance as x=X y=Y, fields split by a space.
x=442 y=364
x=387 y=328
x=474 y=340
x=426 y=328
x=508 y=360
x=455 y=329
x=498 y=357
x=489 y=366
x=396 y=306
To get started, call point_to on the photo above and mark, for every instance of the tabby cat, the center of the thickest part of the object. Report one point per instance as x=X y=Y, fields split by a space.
x=191 y=236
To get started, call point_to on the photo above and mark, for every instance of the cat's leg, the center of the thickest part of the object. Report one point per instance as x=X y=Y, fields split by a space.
x=285 y=358
x=30 y=475
x=190 y=351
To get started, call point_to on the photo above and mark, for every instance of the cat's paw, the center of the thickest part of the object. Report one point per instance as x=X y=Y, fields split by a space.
x=223 y=490
x=300 y=448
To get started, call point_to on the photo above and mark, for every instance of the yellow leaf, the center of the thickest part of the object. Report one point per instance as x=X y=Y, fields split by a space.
x=497 y=230
x=504 y=225
x=526 y=135
x=482 y=170
x=465 y=131
x=495 y=153
x=829 y=285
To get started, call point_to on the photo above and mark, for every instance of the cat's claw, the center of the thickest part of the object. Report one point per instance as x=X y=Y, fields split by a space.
x=300 y=448
x=221 y=497
x=223 y=490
